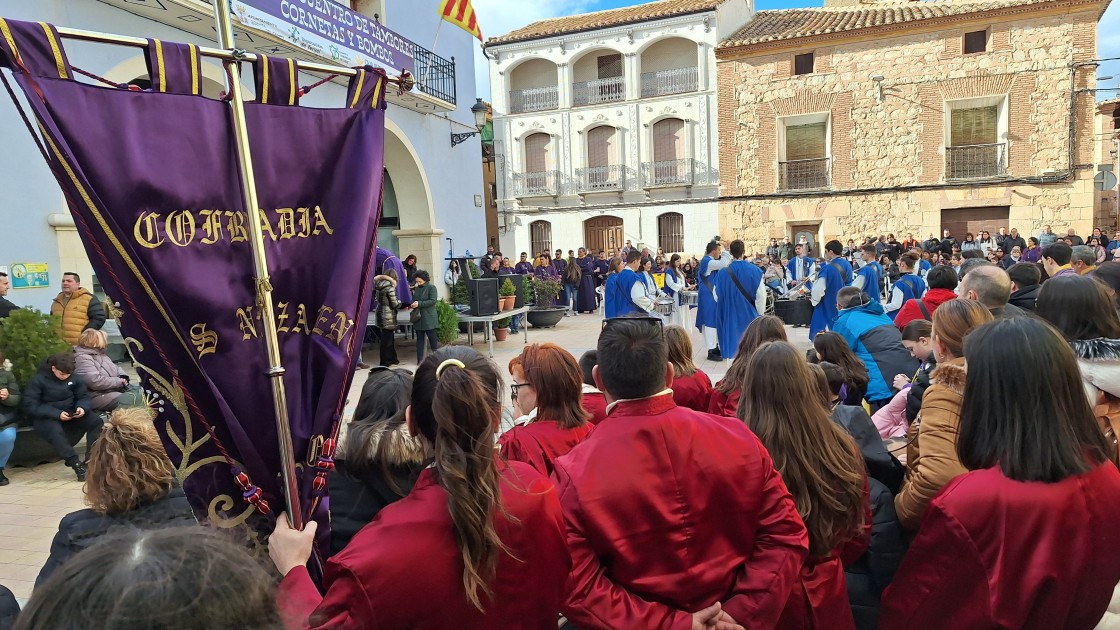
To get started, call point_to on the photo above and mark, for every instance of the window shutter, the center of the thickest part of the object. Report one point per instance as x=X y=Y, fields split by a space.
x=536 y=153
x=668 y=140
x=670 y=232
x=974 y=126
x=610 y=66
x=806 y=142
x=540 y=233
x=600 y=147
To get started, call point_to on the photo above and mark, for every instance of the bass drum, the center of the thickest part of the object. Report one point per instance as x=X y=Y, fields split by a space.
x=794 y=312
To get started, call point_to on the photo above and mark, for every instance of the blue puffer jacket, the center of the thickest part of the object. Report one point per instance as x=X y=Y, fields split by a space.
x=875 y=340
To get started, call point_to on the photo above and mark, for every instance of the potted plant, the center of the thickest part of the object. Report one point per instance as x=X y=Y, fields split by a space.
x=544 y=314
x=508 y=294
x=501 y=328
x=447 y=329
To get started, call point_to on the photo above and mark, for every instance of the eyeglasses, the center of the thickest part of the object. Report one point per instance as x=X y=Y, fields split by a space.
x=651 y=321
x=513 y=389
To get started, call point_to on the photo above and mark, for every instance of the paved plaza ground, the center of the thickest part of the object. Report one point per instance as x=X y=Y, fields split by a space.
x=38 y=498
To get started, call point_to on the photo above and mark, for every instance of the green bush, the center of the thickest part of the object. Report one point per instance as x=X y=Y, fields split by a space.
x=507 y=289
x=545 y=289
x=28 y=336
x=448 y=328
x=503 y=322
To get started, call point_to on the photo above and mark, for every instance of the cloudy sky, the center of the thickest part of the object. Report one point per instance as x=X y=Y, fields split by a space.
x=498 y=17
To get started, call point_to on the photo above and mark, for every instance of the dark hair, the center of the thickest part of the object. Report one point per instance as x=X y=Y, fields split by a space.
x=916 y=329
x=738 y=248
x=762 y=329
x=423 y=275
x=1032 y=240
x=1059 y=252
x=834 y=246
x=835 y=375
x=455 y=409
x=910 y=259
x=633 y=358
x=942 y=277
x=680 y=351
x=555 y=376
x=62 y=361
x=1036 y=424
x=1108 y=274
x=377 y=435
x=3 y=274
x=587 y=362
x=633 y=255
x=711 y=247
x=171 y=578
x=971 y=263
x=1024 y=274
x=77 y=278
x=850 y=297
x=868 y=249
x=1079 y=307
x=834 y=349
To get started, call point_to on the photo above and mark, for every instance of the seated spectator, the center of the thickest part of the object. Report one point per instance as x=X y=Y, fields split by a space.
x=1108 y=274
x=58 y=404
x=873 y=338
x=593 y=401
x=131 y=485
x=1025 y=279
x=932 y=459
x=378 y=462
x=918 y=339
x=832 y=348
x=9 y=413
x=546 y=391
x=691 y=386
x=991 y=286
x=1014 y=541
x=1083 y=259
x=178 y=578
x=942 y=281
x=725 y=395
x=104 y=381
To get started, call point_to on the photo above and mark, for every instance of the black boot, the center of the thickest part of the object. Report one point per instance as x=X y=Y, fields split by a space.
x=79 y=471
x=714 y=355
x=3 y=480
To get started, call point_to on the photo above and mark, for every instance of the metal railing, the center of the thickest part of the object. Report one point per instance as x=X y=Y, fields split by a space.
x=533 y=100
x=542 y=184
x=804 y=174
x=435 y=76
x=668 y=173
x=976 y=161
x=664 y=82
x=600 y=178
x=599 y=91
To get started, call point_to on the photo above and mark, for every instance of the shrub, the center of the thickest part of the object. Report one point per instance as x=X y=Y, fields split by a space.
x=545 y=289
x=503 y=322
x=28 y=336
x=448 y=328
x=507 y=289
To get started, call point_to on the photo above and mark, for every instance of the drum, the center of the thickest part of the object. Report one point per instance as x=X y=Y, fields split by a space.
x=664 y=307
x=794 y=312
x=690 y=298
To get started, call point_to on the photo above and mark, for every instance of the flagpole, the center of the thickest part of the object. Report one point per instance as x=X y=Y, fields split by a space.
x=275 y=371
x=435 y=40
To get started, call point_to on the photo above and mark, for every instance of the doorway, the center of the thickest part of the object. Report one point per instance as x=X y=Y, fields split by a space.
x=810 y=232
x=603 y=233
x=960 y=221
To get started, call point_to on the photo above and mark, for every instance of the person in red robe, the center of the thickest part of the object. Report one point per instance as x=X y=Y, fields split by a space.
x=477 y=544
x=594 y=402
x=823 y=468
x=691 y=386
x=546 y=392
x=1025 y=539
x=725 y=395
x=675 y=518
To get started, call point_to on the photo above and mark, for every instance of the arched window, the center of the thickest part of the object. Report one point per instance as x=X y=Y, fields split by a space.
x=670 y=232
x=602 y=159
x=540 y=234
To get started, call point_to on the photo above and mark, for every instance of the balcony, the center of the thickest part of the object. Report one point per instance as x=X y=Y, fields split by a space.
x=601 y=178
x=668 y=173
x=804 y=174
x=435 y=76
x=977 y=161
x=533 y=100
x=599 y=91
x=542 y=184
x=667 y=82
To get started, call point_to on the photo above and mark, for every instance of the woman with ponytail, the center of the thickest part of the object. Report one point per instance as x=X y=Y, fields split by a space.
x=478 y=543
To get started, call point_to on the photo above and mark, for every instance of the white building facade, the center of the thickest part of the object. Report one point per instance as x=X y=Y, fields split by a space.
x=428 y=198
x=606 y=128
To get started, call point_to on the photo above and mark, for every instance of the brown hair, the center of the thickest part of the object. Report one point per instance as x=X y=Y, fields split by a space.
x=554 y=375
x=816 y=458
x=680 y=350
x=128 y=467
x=93 y=339
x=910 y=259
x=953 y=320
x=455 y=405
x=818 y=376
x=758 y=332
x=832 y=347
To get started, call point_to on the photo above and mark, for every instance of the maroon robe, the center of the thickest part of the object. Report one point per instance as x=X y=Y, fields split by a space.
x=539 y=442
x=998 y=553
x=693 y=391
x=668 y=511
x=404 y=570
x=595 y=403
x=722 y=404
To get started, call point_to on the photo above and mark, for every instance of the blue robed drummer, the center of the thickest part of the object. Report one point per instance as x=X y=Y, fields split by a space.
x=707 y=318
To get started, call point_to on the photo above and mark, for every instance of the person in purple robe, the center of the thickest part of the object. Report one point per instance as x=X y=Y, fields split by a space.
x=385 y=260
x=545 y=269
x=586 y=301
x=524 y=267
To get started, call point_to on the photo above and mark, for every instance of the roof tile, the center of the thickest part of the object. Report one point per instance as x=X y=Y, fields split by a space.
x=605 y=19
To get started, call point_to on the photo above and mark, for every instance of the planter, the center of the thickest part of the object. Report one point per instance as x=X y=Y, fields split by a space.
x=546 y=317
x=508 y=303
x=500 y=334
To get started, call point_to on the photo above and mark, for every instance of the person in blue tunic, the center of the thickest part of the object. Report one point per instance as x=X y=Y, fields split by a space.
x=610 y=296
x=586 y=301
x=740 y=298
x=707 y=320
x=868 y=276
x=800 y=267
x=910 y=286
x=834 y=274
x=626 y=292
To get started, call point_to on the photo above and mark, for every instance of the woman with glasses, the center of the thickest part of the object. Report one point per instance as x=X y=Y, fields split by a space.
x=478 y=543
x=547 y=393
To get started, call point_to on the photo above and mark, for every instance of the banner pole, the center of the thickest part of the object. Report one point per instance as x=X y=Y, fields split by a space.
x=435 y=40
x=260 y=266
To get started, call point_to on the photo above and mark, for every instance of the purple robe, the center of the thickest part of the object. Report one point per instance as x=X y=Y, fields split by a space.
x=586 y=300
x=388 y=260
x=524 y=268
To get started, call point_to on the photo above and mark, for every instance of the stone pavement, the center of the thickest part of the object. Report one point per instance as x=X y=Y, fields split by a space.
x=38 y=498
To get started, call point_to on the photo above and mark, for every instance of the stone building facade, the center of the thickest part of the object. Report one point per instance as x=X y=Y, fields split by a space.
x=1107 y=189
x=852 y=121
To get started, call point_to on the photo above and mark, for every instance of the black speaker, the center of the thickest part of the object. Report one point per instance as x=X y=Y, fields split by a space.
x=483 y=296
x=519 y=281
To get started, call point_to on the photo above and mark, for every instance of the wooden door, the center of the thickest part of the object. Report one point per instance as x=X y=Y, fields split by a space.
x=604 y=233
x=976 y=220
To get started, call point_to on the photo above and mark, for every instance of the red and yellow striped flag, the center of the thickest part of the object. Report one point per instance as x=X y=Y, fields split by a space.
x=461 y=14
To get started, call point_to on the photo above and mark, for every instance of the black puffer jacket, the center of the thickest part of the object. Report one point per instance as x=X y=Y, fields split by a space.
x=1024 y=298
x=387 y=302
x=46 y=397
x=81 y=529
x=918 y=388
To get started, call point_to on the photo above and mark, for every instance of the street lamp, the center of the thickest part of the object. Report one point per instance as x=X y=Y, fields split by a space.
x=479 y=111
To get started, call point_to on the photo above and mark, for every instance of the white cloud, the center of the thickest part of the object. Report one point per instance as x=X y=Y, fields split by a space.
x=498 y=17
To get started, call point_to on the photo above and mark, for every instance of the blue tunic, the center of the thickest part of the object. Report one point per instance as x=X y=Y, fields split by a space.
x=610 y=297
x=735 y=310
x=623 y=284
x=836 y=275
x=912 y=287
x=871 y=272
x=706 y=309
x=792 y=267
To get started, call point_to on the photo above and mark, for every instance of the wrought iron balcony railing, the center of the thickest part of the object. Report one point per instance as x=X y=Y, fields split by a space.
x=435 y=76
x=804 y=174
x=533 y=100
x=601 y=178
x=666 y=82
x=599 y=91
x=540 y=184
x=976 y=161
x=669 y=173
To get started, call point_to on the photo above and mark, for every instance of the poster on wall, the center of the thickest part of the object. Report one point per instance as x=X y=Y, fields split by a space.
x=29 y=276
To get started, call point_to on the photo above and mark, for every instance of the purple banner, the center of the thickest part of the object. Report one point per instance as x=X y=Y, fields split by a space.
x=330 y=30
x=152 y=180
